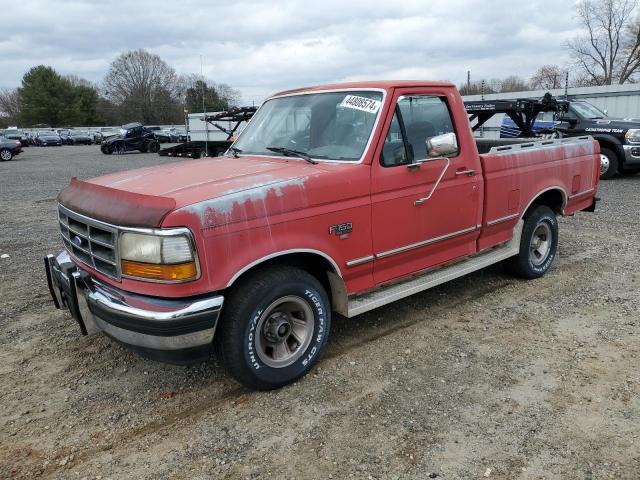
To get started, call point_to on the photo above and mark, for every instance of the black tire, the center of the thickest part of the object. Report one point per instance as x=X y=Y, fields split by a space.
x=144 y=148
x=6 y=155
x=533 y=261
x=154 y=147
x=105 y=149
x=262 y=316
x=613 y=165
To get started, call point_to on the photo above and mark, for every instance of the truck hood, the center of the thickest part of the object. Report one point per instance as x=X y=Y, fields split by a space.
x=143 y=197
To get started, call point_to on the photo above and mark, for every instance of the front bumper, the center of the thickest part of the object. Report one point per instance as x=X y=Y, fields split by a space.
x=170 y=330
x=632 y=155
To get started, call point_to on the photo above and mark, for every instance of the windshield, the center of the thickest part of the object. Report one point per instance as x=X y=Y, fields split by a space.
x=586 y=110
x=331 y=126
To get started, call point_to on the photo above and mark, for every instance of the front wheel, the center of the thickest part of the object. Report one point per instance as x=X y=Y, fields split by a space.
x=608 y=164
x=154 y=147
x=274 y=325
x=5 y=155
x=538 y=244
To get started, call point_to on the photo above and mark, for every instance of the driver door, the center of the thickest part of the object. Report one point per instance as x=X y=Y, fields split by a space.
x=425 y=213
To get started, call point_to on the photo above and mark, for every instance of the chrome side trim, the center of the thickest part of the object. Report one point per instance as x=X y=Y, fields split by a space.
x=360 y=261
x=358 y=304
x=279 y=254
x=581 y=193
x=423 y=243
x=502 y=219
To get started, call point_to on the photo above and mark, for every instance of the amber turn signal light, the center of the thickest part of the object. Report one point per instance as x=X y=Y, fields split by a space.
x=153 y=271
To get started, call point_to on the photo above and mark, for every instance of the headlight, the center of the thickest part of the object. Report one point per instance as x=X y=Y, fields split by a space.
x=632 y=135
x=168 y=258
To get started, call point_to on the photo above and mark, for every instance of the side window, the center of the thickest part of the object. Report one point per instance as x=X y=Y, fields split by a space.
x=424 y=116
x=418 y=118
x=394 y=152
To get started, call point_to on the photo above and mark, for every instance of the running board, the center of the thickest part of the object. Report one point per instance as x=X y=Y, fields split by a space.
x=363 y=303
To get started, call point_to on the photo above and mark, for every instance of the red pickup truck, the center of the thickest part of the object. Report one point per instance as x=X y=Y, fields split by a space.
x=338 y=198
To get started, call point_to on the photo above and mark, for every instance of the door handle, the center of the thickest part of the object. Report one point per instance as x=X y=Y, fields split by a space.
x=465 y=171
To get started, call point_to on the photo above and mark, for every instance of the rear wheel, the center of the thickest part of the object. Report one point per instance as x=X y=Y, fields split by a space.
x=608 y=163
x=538 y=244
x=154 y=147
x=274 y=325
x=144 y=148
x=5 y=155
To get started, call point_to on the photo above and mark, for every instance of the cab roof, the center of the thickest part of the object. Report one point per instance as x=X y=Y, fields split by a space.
x=380 y=84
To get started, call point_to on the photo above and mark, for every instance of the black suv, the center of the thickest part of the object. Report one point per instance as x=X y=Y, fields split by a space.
x=134 y=136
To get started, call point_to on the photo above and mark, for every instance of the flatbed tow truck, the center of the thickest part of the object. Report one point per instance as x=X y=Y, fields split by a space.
x=212 y=148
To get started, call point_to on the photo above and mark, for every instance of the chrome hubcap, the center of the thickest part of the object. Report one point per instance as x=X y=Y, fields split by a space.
x=5 y=155
x=604 y=164
x=284 y=331
x=540 y=245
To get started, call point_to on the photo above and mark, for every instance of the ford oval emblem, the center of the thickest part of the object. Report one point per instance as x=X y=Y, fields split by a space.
x=77 y=240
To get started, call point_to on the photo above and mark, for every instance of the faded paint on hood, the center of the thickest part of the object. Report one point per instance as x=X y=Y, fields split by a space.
x=197 y=180
x=215 y=191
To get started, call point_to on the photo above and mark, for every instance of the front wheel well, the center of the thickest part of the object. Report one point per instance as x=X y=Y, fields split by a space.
x=315 y=264
x=609 y=145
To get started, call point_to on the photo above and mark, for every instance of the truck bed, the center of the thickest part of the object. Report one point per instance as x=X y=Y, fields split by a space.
x=516 y=172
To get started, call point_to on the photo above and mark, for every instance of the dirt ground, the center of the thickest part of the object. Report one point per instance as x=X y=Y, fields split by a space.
x=485 y=377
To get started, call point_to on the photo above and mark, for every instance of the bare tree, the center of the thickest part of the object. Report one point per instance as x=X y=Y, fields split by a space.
x=513 y=83
x=10 y=103
x=145 y=87
x=547 y=77
x=609 y=51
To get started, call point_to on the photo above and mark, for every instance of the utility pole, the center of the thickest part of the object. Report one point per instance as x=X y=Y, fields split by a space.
x=204 y=112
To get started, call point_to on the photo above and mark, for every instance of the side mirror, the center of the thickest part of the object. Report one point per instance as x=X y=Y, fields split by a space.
x=442 y=145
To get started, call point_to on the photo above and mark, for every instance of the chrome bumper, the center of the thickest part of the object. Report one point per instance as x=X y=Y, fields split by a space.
x=632 y=154
x=149 y=324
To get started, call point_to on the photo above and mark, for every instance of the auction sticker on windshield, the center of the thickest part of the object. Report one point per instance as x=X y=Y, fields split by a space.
x=361 y=103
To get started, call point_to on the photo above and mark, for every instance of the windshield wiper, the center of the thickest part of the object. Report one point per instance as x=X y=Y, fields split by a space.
x=288 y=152
x=235 y=151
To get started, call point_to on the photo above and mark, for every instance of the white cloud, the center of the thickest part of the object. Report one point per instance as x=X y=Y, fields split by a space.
x=262 y=47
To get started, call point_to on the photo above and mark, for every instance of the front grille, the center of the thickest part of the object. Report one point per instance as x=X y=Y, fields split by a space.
x=91 y=241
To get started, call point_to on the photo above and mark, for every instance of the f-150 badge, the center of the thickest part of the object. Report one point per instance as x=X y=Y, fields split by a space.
x=342 y=230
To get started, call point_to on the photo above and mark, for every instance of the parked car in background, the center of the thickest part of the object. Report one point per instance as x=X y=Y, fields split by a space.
x=104 y=133
x=65 y=135
x=161 y=135
x=15 y=134
x=177 y=135
x=9 y=148
x=48 y=139
x=80 y=138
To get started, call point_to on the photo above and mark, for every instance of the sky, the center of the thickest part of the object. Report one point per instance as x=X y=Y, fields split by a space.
x=261 y=47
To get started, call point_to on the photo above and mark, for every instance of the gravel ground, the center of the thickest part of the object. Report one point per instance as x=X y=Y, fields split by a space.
x=485 y=377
